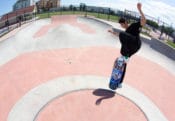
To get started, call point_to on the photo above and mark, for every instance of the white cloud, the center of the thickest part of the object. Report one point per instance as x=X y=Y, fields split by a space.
x=165 y=11
x=120 y=4
x=153 y=8
x=159 y=9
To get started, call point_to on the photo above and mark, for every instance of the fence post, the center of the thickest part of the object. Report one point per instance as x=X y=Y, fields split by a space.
x=86 y=12
x=98 y=13
x=48 y=14
x=61 y=11
x=7 y=22
x=109 y=14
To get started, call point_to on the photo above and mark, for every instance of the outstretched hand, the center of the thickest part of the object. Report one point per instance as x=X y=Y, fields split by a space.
x=139 y=6
x=111 y=31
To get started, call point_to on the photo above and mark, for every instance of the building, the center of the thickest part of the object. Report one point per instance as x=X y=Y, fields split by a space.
x=46 y=4
x=94 y=9
x=20 y=4
x=17 y=16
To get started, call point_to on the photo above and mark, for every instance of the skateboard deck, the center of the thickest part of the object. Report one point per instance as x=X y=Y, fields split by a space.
x=118 y=73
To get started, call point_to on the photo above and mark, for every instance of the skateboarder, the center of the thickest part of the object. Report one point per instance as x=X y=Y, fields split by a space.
x=130 y=39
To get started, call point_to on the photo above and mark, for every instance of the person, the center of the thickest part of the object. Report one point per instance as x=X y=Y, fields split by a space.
x=19 y=19
x=130 y=39
x=7 y=24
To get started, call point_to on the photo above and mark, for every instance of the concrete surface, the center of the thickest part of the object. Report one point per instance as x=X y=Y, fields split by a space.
x=57 y=67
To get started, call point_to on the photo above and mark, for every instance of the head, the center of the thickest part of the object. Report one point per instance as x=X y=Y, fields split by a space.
x=123 y=23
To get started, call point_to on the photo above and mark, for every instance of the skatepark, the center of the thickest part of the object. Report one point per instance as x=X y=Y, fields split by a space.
x=58 y=69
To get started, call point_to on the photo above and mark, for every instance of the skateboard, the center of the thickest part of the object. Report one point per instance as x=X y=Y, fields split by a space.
x=118 y=73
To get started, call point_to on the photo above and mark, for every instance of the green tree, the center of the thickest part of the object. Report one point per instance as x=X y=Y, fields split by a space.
x=152 y=24
x=71 y=7
x=112 y=12
x=74 y=8
x=82 y=6
x=167 y=30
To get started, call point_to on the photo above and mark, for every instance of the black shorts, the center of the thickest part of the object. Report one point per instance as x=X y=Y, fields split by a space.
x=129 y=44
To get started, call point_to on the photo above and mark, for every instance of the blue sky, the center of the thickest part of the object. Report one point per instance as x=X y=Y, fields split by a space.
x=162 y=9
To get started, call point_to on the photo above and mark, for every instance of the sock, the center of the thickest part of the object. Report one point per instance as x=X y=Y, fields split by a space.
x=125 y=58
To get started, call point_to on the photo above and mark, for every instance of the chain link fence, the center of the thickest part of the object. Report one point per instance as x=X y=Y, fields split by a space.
x=9 y=22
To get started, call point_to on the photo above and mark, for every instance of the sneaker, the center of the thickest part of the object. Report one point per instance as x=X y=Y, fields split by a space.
x=125 y=58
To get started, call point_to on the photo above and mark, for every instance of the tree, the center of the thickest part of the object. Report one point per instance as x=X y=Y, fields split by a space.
x=74 y=8
x=174 y=36
x=37 y=7
x=167 y=30
x=152 y=24
x=71 y=7
x=82 y=6
x=112 y=12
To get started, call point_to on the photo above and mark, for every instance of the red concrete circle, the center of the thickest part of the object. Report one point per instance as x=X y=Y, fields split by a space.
x=27 y=71
x=91 y=105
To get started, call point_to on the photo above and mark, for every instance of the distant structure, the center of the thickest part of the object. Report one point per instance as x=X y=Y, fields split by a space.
x=20 y=4
x=22 y=10
x=47 y=4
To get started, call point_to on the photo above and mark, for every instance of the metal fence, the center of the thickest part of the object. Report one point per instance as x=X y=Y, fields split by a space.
x=8 y=24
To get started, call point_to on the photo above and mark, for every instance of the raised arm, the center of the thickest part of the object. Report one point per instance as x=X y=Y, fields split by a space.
x=143 y=19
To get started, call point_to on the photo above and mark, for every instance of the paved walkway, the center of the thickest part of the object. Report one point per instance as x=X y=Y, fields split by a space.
x=60 y=70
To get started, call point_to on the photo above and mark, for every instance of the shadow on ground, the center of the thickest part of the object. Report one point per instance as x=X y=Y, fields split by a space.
x=104 y=94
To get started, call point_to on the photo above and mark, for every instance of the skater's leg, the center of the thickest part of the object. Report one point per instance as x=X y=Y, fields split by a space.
x=129 y=44
x=123 y=74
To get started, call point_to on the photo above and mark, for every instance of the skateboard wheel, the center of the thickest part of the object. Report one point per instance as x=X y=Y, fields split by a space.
x=112 y=86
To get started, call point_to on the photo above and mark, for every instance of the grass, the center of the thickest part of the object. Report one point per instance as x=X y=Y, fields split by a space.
x=171 y=43
x=98 y=15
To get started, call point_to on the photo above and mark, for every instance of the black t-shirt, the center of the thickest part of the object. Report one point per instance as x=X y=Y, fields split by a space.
x=134 y=29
